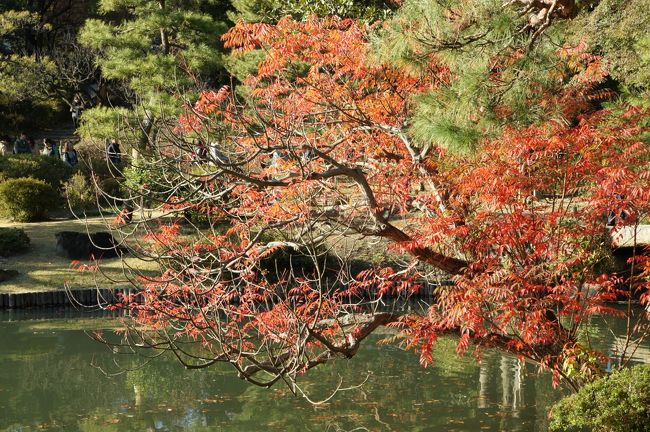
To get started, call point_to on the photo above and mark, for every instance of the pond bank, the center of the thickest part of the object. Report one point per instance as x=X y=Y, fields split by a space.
x=97 y=298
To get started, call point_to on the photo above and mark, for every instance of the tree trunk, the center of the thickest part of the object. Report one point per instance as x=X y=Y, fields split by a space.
x=164 y=37
x=445 y=263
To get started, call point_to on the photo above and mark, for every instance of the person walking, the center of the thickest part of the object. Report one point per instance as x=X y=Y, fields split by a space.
x=75 y=110
x=114 y=153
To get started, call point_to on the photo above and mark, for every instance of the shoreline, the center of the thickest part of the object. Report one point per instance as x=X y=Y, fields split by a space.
x=94 y=297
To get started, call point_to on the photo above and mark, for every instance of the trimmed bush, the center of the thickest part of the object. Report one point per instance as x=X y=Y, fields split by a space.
x=80 y=193
x=96 y=166
x=49 y=169
x=619 y=402
x=27 y=199
x=13 y=241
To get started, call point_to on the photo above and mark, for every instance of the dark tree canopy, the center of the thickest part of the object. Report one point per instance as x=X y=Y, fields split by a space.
x=41 y=64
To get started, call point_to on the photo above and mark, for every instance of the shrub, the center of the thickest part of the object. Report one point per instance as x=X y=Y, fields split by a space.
x=80 y=193
x=98 y=173
x=111 y=188
x=27 y=199
x=92 y=165
x=619 y=402
x=148 y=177
x=13 y=241
x=49 y=169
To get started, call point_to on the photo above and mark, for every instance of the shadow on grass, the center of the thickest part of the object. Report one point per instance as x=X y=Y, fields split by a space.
x=41 y=269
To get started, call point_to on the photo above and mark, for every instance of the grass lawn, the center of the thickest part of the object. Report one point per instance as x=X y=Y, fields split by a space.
x=42 y=270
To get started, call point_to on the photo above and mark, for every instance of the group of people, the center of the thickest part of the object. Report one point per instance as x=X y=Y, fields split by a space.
x=26 y=145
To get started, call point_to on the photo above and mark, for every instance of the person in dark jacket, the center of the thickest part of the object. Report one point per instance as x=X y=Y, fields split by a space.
x=113 y=152
x=75 y=110
x=69 y=154
x=22 y=145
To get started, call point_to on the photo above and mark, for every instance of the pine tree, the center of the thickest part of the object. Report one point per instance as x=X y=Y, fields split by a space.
x=499 y=55
x=161 y=51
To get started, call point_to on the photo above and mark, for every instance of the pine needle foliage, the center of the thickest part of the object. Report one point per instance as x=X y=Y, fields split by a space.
x=159 y=50
x=503 y=64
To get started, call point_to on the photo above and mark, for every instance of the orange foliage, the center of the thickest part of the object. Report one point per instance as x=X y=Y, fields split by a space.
x=518 y=226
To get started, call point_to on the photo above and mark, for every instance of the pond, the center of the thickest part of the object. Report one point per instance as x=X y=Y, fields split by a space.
x=53 y=376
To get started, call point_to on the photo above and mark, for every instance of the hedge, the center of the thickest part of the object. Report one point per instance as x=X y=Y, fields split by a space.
x=27 y=199
x=13 y=241
x=49 y=169
x=619 y=402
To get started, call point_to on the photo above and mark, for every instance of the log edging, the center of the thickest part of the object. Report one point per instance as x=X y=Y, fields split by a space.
x=81 y=298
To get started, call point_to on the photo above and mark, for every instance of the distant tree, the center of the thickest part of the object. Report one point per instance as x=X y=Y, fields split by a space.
x=161 y=52
x=41 y=68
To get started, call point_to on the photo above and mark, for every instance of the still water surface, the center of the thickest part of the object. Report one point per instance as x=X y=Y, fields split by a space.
x=55 y=378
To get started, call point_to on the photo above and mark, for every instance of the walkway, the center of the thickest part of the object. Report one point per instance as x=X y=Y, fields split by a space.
x=624 y=237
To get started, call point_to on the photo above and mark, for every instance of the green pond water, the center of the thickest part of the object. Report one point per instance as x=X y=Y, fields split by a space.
x=54 y=377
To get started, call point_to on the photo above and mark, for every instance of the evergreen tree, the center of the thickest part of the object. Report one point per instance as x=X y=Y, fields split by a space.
x=40 y=65
x=161 y=52
x=499 y=56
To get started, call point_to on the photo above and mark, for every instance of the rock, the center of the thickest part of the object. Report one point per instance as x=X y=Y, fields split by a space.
x=82 y=246
x=5 y=275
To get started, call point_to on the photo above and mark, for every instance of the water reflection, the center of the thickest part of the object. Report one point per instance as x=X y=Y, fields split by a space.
x=47 y=383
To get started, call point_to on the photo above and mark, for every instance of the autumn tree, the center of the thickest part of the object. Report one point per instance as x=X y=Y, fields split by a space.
x=270 y=11
x=330 y=148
